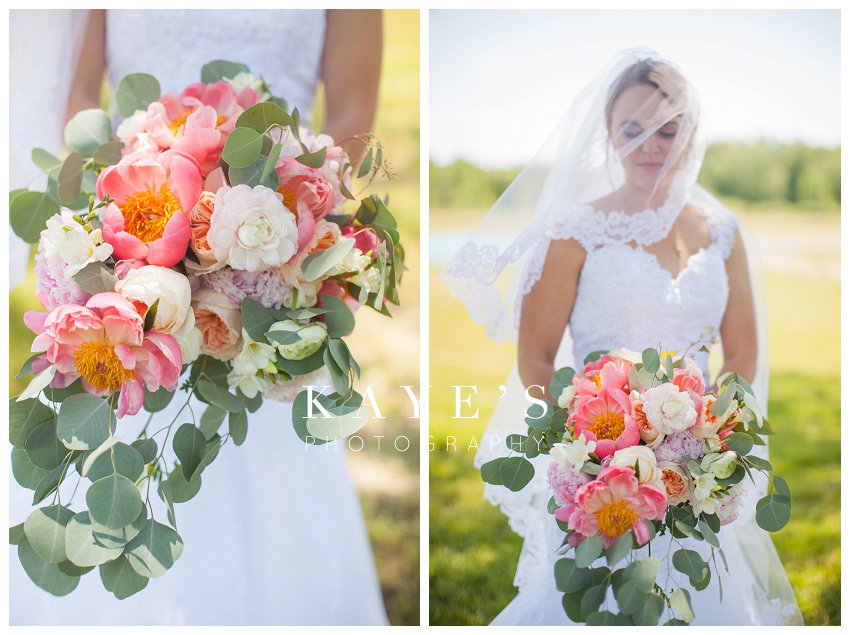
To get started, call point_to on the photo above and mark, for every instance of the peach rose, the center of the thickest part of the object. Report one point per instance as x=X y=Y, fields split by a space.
x=677 y=482
x=220 y=322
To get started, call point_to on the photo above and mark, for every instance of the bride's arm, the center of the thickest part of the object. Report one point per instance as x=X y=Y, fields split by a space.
x=545 y=313
x=738 y=330
x=351 y=69
x=85 y=88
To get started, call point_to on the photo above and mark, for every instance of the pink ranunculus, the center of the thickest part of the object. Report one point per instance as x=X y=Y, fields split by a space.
x=148 y=218
x=606 y=419
x=104 y=343
x=301 y=184
x=616 y=502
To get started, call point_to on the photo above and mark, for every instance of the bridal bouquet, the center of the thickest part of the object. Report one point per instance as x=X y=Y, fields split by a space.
x=211 y=240
x=637 y=448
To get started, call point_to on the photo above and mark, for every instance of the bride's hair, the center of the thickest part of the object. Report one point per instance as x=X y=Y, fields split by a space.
x=647 y=72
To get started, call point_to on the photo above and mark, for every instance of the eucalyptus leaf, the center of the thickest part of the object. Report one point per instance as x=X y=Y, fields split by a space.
x=114 y=537
x=70 y=179
x=164 y=491
x=593 y=598
x=365 y=164
x=48 y=484
x=155 y=550
x=45 y=531
x=211 y=420
x=95 y=278
x=121 y=459
x=107 y=154
x=238 y=427
x=570 y=578
x=491 y=471
x=29 y=212
x=183 y=490
x=81 y=547
x=136 y=92
x=313 y=159
x=256 y=319
x=318 y=264
x=218 y=70
x=680 y=601
x=16 y=534
x=630 y=598
x=691 y=564
x=46 y=575
x=338 y=317
x=773 y=513
x=651 y=360
x=190 y=447
x=516 y=472
x=147 y=448
x=220 y=397
x=84 y=422
x=588 y=551
x=23 y=417
x=87 y=131
x=114 y=501
x=739 y=442
x=242 y=148
x=45 y=160
x=119 y=577
x=650 y=611
x=260 y=117
x=43 y=447
x=619 y=550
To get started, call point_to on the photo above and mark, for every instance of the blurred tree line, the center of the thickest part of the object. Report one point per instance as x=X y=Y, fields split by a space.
x=763 y=174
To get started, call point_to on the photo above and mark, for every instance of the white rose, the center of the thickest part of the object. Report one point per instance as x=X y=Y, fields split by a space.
x=132 y=126
x=312 y=336
x=75 y=246
x=565 y=400
x=251 y=229
x=668 y=410
x=149 y=284
x=645 y=459
x=572 y=455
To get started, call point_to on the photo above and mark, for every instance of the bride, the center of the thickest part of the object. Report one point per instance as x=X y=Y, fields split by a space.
x=619 y=247
x=276 y=533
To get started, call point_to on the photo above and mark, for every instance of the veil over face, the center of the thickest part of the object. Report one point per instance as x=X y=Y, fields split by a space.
x=629 y=146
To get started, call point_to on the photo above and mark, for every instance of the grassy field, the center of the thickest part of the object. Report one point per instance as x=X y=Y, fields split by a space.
x=387 y=479
x=473 y=551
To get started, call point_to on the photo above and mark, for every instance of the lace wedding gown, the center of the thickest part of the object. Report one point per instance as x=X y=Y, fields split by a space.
x=673 y=311
x=276 y=534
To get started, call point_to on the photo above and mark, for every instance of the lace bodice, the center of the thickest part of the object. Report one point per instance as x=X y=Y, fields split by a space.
x=285 y=47
x=625 y=298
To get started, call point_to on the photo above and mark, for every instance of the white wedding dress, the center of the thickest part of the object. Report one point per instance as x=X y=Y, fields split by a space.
x=664 y=309
x=276 y=534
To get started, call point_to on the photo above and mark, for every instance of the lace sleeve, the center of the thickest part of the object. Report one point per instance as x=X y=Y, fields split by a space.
x=723 y=225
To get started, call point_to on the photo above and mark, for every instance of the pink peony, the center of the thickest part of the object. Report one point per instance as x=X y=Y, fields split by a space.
x=266 y=287
x=565 y=483
x=613 y=504
x=304 y=187
x=52 y=287
x=104 y=343
x=606 y=419
x=184 y=125
x=680 y=445
x=148 y=218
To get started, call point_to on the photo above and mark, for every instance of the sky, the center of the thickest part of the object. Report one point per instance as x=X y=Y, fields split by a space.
x=500 y=80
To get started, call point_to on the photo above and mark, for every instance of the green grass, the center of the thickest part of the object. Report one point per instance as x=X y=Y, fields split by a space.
x=473 y=551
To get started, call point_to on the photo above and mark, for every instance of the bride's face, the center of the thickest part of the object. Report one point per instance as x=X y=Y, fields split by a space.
x=637 y=109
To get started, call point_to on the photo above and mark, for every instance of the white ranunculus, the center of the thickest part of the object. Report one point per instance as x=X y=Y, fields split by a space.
x=565 y=400
x=75 y=246
x=251 y=228
x=150 y=283
x=721 y=464
x=669 y=410
x=646 y=462
x=572 y=455
x=312 y=336
x=130 y=128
